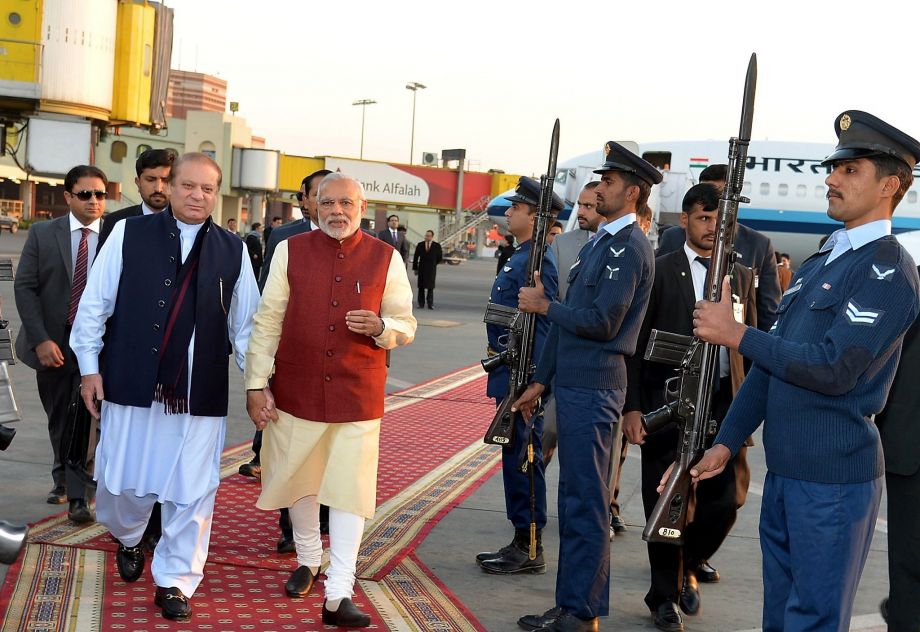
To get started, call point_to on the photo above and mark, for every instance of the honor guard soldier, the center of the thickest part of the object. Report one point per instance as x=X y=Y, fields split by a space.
x=514 y=558
x=818 y=380
x=591 y=334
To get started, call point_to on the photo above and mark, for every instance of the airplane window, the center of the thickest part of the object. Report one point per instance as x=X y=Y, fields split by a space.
x=561 y=176
x=783 y=189
x=819 y=191
x=911 y=197
x=765 y=188
x=746 y=189
x=801 y=190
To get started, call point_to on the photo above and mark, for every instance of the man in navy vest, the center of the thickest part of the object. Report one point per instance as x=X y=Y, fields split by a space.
x=818 y=380
x=165 y=378
x=590 y=336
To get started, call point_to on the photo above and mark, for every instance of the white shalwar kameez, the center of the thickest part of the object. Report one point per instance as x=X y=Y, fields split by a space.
x=145 y=455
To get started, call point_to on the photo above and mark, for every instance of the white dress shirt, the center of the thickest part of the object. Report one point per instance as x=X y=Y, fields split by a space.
x=698 y=274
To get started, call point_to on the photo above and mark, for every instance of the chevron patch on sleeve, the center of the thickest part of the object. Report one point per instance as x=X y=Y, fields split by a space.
x=859 y=316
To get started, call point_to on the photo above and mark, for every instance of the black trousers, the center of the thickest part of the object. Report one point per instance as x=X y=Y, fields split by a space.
x=422 y=300
x=713 y=510
x=55 y=388
x=903 y=552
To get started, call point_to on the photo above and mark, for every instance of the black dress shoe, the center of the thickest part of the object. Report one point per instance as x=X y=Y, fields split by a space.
x=79 y=512
x=689 y=600
x=883 y=609
x=347 y=616
x=130 y=562
x=491 y=555
x=568 y=622
x=57 y=496
x=300 y=582
x=668 y=618
x=706 y=573
x=515 y=560
x=538 y=621
x=286 y=544
x=174 y=604
x=617 y=524
x=252 y=469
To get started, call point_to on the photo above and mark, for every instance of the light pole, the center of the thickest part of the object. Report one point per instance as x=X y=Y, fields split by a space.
x=363 y=103
x=415 y=86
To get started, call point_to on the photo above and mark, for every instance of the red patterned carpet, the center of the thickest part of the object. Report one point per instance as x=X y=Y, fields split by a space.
x=431 y=458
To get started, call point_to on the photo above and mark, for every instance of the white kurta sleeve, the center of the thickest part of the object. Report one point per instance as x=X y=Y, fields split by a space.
x=396 y=307
x=243 y=307
x=97 y=302
x=268 y=322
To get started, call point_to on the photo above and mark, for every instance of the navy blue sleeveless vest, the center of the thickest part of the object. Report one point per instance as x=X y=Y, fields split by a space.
x=135 y=330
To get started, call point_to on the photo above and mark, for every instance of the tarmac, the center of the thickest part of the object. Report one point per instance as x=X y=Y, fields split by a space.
x=451 y=337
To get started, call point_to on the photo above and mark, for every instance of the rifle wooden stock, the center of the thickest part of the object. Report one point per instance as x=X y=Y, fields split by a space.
x=668 y=520
x=501 y=430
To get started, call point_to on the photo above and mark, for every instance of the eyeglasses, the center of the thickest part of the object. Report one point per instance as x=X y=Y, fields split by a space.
x=86 y=195
x=299 y=196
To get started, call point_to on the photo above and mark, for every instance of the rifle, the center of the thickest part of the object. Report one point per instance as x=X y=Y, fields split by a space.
x=522 y=328
x=690 y=394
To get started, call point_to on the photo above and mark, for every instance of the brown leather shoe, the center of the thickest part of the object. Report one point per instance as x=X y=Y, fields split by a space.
x=57 y=496
x=347 y=616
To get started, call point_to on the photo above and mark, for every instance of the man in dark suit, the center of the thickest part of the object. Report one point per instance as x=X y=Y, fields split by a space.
x=393 y=236
x=49 y=283
x=753 y=249
x=267 y=233
x=898 y=426
x=679 y=283
x=425 y=265
x=254 y=246
x=152 y=169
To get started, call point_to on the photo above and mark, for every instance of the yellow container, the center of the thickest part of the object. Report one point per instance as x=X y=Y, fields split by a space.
x=20 y=49
x=133 y=63
x=293 y=169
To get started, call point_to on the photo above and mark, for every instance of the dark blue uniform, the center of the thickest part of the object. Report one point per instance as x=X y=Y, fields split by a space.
x=510 y=279
x=591 y=334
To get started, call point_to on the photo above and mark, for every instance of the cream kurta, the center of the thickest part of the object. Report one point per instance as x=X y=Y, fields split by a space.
x=335 y=461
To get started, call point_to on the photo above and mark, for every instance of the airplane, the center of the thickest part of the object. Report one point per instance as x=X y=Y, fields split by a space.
x=784 y=180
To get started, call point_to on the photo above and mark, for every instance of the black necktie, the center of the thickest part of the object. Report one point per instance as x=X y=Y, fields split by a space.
x=704 y=261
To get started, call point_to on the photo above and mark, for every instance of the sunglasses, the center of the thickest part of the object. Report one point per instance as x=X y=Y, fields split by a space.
x=86 y=195
x=299 y=196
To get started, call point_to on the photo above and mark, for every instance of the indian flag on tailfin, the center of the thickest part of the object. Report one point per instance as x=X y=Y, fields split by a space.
x=699 y=163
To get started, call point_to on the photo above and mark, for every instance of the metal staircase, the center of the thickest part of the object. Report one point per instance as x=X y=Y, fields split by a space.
x=473 y=215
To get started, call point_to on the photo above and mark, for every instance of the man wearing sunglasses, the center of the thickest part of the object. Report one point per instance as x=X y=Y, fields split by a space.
x=49 y=284
x=152 y=169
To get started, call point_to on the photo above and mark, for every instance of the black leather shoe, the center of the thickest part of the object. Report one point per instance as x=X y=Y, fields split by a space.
x=515 y=560
x=347 y=616
x=706 y=573
x=617 y=524
x=491 y=555
x=689 y=600
x=252 y=469
x=79 y=512
x=286 y=544
x=668 y=618
x=130 y=562
x=57 y=496
x=540 y=621
x=883 y=609
x=568 y=622
x=300 y=582
x=174 y=604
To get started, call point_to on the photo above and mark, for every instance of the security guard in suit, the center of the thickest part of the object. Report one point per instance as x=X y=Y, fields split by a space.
x=514 y=558
x=592 y=334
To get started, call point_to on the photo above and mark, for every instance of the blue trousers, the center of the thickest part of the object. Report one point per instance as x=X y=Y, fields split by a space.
x=815 y=538
x=516 y=483
x=585 y=419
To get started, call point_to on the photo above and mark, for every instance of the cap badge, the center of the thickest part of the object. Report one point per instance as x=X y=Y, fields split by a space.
x=845 y=122
x=607 y=149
